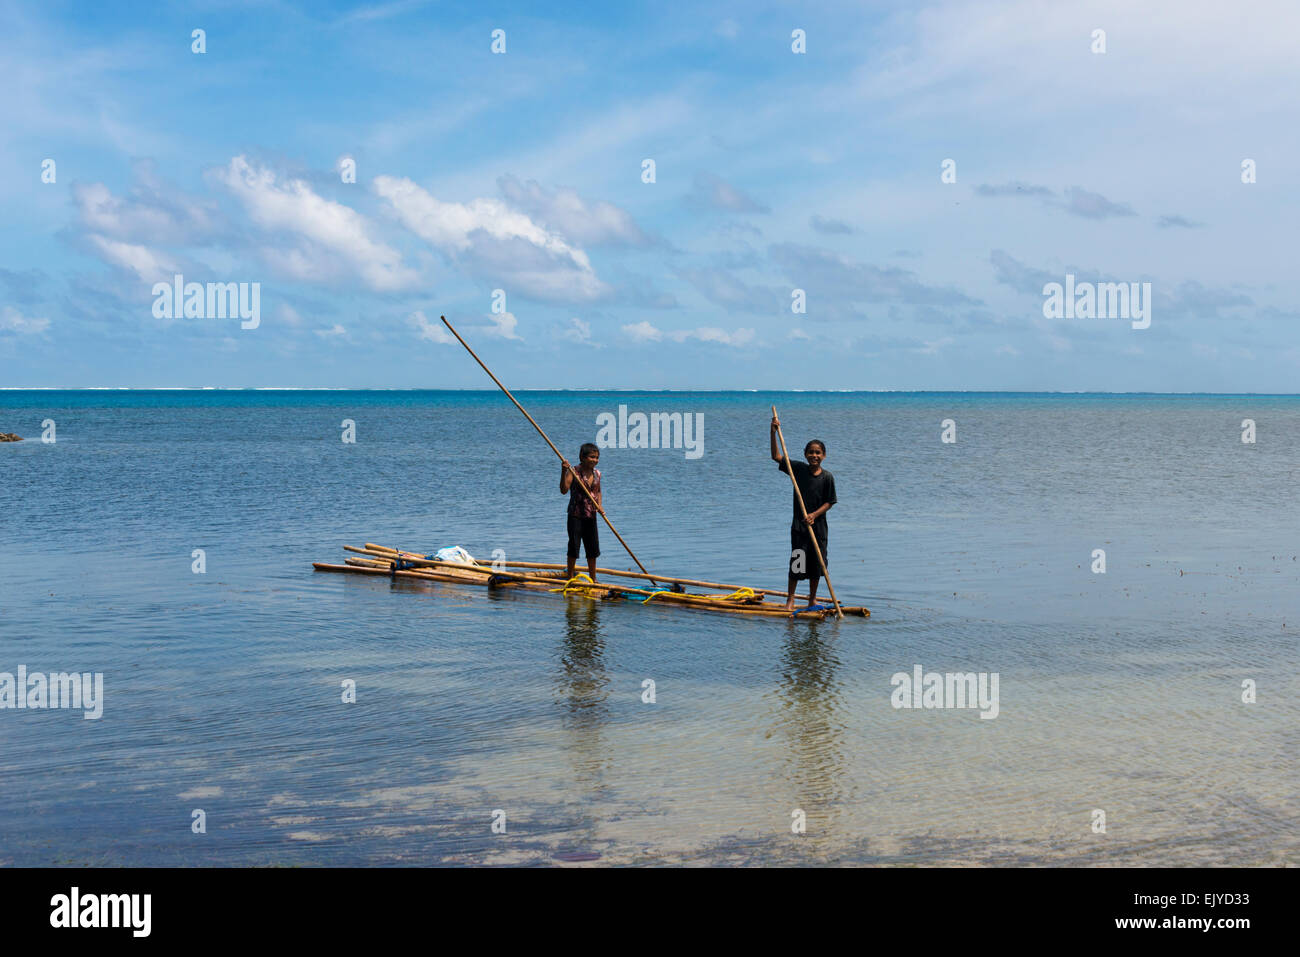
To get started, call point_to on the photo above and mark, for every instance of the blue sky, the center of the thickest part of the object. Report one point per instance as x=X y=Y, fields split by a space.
x=774 y=171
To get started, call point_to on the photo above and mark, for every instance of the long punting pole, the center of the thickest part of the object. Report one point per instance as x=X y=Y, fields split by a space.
x=804 y=512
x=574 y=472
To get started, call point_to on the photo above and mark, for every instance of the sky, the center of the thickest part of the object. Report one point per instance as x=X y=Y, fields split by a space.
x=915 y=178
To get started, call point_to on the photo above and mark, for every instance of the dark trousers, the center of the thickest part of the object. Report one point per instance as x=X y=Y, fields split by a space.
x=801 y=541
x=585 y=532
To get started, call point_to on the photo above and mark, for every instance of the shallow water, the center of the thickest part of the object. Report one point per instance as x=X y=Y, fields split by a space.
x=1118 y=691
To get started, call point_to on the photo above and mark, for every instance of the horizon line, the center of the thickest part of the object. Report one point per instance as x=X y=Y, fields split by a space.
x=627 y=390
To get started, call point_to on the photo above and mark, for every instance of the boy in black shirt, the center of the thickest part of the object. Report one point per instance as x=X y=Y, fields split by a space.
x=583 y=528
x=817 y=486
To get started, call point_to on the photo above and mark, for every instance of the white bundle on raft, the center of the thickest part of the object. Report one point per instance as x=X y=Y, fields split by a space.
x=454 y=553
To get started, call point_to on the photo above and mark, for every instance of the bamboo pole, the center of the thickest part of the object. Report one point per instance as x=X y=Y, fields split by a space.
x=487 y=572
x=372 y=549
x=804 y=512
x=574 y=472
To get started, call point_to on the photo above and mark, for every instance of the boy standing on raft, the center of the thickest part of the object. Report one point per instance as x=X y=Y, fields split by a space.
x=817 y=486
x=582 y=512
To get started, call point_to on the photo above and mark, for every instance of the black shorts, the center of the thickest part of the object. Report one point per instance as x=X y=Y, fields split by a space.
x=583 y=530
x=803 y=559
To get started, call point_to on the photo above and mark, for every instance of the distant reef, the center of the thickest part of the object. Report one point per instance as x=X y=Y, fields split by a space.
x=10 y=437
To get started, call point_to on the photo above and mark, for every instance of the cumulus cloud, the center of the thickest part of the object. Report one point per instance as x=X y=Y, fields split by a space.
x=491 y=240
x=737 y=337
x=500 y=325
x=149 y=265
x=430 y=331
x=563 y=211
x=642 y=332
x=128 y=231
x=11 y=320
x=152 y=211
x=103 y=212
x=504 y=325
x=329 y=234
x=579 y=332
x=713 y=192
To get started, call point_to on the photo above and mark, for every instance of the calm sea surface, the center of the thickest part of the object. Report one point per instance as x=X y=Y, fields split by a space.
x=1118 y=692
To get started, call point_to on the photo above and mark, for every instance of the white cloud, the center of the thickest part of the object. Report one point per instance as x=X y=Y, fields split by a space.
x=105 y=213
x=333 y=332
x=932 y=347
x=11 y=320
x=334 y=234
x=153 y=211
x=739 y=337
x=432 y=331
x=504 y=324
x=579 y=331
x=645 y=332
x=564 y=211
x=503 y=327
x=143 y=261
x=642 y=332
x=797 y=334
x=489 y=239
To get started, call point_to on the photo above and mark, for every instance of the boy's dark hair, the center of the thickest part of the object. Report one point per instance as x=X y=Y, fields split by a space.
x=815 y=442
x=587 y=447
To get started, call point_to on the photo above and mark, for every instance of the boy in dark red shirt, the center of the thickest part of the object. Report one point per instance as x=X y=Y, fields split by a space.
x=582 y=511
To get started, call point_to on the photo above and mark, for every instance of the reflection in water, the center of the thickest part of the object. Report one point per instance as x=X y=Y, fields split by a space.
x=809 y=700
x=583 y=691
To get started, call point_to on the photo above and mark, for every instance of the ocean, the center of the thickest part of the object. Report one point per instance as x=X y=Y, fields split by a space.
x=1146 y=714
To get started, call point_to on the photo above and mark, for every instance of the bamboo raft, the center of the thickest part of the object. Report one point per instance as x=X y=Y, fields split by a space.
x=375 y=559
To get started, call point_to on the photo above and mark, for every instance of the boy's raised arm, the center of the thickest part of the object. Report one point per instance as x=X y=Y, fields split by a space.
x=776 y=452
x=566 y=477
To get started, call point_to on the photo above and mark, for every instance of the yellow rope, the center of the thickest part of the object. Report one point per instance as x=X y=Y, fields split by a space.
x=580 y=579
x=582 y=582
